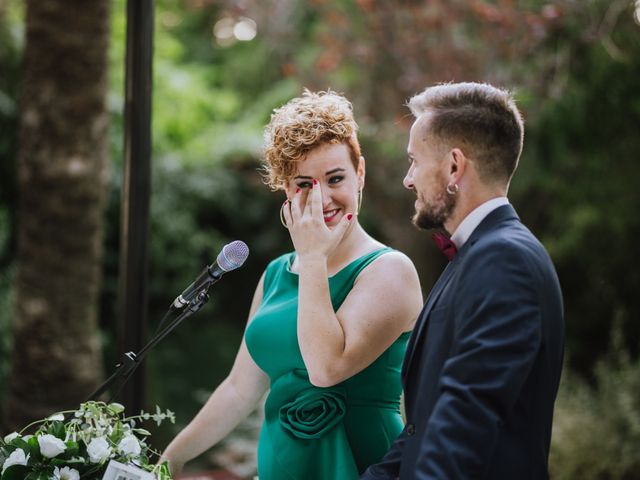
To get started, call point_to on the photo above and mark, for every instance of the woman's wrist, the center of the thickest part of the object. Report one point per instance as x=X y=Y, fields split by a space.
x=173 y=456
x=312 y=259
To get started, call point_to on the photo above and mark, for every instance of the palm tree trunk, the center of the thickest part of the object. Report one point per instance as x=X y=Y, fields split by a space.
x=62 y=180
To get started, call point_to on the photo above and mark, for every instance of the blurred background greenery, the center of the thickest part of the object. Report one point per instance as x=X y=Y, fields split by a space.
x=221 y=66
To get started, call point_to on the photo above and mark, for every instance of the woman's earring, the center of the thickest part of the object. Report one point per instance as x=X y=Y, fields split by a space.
x=282 y=219
x=359 y=201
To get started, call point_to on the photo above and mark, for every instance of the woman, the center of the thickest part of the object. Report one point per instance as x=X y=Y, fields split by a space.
x=329 y=322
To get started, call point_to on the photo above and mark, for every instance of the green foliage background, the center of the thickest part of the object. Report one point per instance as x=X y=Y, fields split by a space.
x=575 y=67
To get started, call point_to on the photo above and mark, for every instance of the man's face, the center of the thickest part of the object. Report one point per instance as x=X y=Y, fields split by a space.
x=427 y=177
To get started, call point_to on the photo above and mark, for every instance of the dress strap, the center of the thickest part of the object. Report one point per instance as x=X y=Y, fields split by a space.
x=355 y=267
x=342 y=282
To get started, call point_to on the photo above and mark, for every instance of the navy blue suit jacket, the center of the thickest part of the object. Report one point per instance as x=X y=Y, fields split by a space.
x=483 y=364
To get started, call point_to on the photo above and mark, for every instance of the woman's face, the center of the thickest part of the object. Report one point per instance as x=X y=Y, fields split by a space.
x=338 y=180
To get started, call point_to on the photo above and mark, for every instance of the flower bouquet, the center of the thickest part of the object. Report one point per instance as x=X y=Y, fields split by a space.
x=81 y=447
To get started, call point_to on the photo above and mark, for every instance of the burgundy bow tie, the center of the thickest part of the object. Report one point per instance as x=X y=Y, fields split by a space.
x=445 y=245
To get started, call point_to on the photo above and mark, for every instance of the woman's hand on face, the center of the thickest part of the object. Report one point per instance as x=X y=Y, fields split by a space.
x=305 y=221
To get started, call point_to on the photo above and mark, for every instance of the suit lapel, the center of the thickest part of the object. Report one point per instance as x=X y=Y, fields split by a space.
x=491 y=221
x=422 y=322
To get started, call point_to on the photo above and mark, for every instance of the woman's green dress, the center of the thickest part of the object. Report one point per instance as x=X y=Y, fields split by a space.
x=313 y=433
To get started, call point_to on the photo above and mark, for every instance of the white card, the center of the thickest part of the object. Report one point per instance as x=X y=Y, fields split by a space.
x=120 y=471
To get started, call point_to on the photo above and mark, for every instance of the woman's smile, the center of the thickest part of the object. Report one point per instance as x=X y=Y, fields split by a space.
x=329 y=215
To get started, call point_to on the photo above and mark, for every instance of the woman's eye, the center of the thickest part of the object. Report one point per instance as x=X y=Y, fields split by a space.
x=336 y=179
x=303 y=185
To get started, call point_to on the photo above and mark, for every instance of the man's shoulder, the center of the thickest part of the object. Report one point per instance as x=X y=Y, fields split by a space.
x=506 y=231
x=509 y=238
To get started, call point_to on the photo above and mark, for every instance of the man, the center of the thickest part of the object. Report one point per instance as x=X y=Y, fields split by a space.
x=483 y=365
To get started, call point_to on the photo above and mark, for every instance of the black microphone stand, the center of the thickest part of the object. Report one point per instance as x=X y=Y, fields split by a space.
x=131 y=361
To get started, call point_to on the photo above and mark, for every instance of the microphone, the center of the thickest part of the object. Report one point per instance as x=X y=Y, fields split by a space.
x=232 y=256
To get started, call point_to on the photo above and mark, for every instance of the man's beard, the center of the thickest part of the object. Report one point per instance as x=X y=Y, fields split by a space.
x=433 y=216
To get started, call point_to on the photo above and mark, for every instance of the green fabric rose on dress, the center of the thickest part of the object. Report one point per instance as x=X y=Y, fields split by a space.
x=313 y=413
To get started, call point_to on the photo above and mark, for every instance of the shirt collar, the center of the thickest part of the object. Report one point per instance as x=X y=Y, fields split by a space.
x=471 y=221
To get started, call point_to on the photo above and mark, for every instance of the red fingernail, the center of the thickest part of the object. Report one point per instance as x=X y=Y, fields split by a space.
x=349 y=216
x=297 y=190
x=315 y=182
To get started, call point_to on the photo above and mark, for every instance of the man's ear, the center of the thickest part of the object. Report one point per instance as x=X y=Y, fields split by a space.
x=458 y=164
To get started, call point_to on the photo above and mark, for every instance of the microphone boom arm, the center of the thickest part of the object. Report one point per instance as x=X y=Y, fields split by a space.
x=192 y=299
x=131 y=361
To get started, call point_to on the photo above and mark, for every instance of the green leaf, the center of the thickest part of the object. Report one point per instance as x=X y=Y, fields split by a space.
x=15 y=472
x=72 y=448
x=40 y=475
x=117 y=432
x=57 y=430
x=34 y=448
x=163 y=472
x=115 y=408
x=94 y=469
x=20 y=443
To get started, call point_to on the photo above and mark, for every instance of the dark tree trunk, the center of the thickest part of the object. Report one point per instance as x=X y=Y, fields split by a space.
x=62 y=180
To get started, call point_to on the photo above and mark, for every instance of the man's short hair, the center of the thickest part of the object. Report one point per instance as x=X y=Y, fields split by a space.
x=482 y=120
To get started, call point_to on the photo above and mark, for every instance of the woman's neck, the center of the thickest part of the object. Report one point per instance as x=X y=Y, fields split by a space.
x=354 y=244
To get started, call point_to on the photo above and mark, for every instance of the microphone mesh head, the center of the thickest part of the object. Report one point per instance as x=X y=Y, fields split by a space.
x=233 y=255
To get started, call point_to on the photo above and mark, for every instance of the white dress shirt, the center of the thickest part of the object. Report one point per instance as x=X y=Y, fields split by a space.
x=471 y=221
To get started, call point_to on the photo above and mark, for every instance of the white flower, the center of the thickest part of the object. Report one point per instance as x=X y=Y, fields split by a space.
x=129 y=445
x=51 y=446
x=11 y=436
x=17 y=457
x=98 y=450
x=56 y=416
x=66 y=473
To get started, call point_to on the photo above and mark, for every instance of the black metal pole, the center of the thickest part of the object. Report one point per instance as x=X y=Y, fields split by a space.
x=136 y=189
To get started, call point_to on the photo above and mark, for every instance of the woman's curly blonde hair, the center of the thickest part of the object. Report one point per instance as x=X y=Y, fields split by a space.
x=302 y=124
